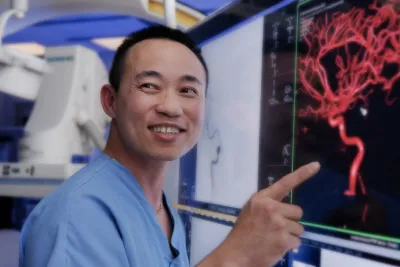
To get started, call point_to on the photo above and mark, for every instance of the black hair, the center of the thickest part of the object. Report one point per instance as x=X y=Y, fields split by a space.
x=152 y=32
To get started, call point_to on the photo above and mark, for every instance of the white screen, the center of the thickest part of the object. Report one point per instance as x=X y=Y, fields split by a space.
x=232 y=118
x=301 y=264
x=335 y=259
x=206 y=236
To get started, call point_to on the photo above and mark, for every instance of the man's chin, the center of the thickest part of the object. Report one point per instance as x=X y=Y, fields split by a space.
x=171 y=156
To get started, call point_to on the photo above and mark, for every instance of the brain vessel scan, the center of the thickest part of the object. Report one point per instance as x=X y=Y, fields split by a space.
x=315 y=80
x=347 y=110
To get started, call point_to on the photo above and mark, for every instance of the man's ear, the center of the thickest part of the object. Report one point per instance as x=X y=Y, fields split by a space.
x=108 y=97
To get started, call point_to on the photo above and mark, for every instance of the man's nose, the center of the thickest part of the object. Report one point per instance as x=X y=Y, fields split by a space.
x=170 y=105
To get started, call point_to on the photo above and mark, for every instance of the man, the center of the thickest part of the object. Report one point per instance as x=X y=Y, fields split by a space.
x=113 y=212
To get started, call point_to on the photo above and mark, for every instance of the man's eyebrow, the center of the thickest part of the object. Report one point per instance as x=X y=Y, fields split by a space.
x=190 y=78
x=148 y=73
x=156 y=74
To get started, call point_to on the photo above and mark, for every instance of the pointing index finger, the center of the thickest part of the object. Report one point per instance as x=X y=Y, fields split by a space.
x=282 y=187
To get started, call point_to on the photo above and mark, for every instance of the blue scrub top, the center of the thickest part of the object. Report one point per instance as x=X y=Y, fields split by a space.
x=100 y=217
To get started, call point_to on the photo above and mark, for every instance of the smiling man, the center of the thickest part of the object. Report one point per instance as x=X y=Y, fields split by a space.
x=113 y=211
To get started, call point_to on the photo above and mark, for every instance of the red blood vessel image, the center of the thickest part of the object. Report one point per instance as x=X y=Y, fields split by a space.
x=364 y=42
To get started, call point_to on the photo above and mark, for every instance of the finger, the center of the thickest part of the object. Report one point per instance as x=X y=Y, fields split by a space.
x=294 y=228
x=291 y=212
x=282 y=187
x=294 y=242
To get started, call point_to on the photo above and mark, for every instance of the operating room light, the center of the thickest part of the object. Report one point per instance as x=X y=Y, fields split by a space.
x=111 y=43
x=29 y=48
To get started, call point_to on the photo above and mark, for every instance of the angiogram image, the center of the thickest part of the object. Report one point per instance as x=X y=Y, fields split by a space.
x=347 y=114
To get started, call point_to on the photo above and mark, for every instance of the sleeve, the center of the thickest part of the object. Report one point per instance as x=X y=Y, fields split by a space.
x=88 y=237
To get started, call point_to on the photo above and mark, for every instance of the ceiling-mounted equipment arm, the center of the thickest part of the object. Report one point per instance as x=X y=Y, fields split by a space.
x=170 y=13
x=87 y=123
x=18 y=9
x=20 y=73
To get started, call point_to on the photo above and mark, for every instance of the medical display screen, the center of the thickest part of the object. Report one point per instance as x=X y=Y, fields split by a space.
x=346 y=110
x=292 y=83
x=331 y=93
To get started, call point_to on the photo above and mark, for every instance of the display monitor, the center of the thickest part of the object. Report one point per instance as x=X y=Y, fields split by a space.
x=320 y=254
x=346 y=110
x=293 y=82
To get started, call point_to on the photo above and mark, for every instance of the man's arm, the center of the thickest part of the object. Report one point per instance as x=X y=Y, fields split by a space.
x=266 y=228
x=87 y=237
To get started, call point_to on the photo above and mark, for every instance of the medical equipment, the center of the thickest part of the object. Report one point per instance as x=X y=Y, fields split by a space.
x=67 y=120
x=65 y=123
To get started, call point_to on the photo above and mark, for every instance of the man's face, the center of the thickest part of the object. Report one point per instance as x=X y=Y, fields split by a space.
x=160 y=104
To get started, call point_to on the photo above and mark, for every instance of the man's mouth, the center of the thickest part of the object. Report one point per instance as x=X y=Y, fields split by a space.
x=165 y=129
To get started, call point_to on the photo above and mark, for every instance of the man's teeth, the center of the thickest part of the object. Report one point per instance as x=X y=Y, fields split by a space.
x=163 y=129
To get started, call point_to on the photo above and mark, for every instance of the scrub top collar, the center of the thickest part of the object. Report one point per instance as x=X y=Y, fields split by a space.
x=133 y=185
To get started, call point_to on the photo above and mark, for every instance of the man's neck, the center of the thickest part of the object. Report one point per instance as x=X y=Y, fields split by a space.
x=148 y=172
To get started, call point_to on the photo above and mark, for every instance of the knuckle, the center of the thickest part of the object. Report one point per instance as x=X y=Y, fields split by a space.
x=298 y=212
x=254 y=201
x=254 y=205
x=284 y=185
x=256 y=197
x=283 y=241
x=278 y=222
x=296 y=243
x=269 y=207
x=250 y=202
x=302 y=230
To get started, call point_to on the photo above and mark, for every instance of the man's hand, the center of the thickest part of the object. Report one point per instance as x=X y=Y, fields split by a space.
x=266 y=228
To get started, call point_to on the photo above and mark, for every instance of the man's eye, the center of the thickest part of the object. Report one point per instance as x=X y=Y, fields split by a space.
x=148 y=86
x=189 y=91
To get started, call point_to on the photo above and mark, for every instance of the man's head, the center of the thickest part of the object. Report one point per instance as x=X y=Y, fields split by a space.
x=156 y=95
